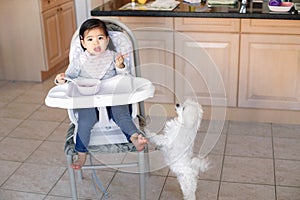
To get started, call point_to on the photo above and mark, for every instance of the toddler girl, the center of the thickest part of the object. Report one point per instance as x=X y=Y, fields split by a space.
x=98 y=62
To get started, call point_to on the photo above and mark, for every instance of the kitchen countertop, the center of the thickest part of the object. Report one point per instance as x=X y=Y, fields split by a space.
x=255 y=10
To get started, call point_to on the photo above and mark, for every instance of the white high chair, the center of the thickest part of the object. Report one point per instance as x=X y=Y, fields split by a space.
x=106 y=136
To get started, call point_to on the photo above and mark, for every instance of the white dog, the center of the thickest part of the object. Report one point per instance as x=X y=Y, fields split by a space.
x=177 y=143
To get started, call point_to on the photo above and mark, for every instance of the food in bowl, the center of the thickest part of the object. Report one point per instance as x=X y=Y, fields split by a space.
x=275 y=2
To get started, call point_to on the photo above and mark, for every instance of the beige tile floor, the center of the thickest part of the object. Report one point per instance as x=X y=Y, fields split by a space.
x=251 y=161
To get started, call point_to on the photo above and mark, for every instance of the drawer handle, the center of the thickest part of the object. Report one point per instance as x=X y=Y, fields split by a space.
x=49 y=1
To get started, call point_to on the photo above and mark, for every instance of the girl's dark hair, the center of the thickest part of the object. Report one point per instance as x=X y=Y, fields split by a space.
x=91 y=24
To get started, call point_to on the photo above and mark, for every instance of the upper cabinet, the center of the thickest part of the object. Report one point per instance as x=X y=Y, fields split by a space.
x=36 y=41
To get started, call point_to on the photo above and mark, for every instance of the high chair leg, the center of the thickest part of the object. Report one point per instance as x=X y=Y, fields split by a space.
x=142 y=173
x=72 y=177
x=79 y=174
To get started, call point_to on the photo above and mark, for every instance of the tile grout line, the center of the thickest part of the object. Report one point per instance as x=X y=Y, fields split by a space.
x=42 y=141
x=52 y=188
x=220 y=180
x=274 y=164
x=109 y=184
x=164 y=184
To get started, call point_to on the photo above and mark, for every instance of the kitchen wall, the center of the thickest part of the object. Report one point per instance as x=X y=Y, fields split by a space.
x=84 y=7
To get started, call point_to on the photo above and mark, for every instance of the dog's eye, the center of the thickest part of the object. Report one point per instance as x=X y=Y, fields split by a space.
x=177 y=105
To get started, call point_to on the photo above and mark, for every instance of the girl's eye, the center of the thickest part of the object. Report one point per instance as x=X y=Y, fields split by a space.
x=100 y=38
x=89 y=39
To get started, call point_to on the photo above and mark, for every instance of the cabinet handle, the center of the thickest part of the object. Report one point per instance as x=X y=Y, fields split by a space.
x=59 y=9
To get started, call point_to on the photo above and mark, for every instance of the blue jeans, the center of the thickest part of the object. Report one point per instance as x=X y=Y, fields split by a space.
x=87 y=117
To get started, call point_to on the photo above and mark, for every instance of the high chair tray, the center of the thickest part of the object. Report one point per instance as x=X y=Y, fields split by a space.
x=118 y=90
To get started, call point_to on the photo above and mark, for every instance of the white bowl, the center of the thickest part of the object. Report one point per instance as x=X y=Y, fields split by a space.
x=88 y=86
x=281 y=8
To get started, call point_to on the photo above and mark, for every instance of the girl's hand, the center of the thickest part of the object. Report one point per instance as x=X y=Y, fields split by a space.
x=119 y=61
x=60 y=78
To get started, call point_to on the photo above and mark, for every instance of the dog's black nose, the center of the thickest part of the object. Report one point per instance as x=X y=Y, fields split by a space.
x=177 y=105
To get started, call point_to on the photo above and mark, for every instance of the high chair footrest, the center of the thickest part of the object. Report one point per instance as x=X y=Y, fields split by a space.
x=107 y=148
x=113 y=148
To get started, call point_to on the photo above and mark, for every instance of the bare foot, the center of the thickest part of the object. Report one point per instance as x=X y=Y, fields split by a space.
x=77 y=164
x=139 y=141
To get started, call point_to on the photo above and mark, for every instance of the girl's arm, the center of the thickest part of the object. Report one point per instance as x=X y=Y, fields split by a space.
x=72 y=71
x=119 y=61
x=121 y=68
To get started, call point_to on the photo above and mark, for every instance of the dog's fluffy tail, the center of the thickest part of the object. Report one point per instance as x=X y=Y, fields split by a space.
x=201 y=164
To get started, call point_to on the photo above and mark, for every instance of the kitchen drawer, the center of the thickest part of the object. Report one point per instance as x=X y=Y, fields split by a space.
x=270 y=26
x=148 y=22
x=225 y=25
x=48 y=4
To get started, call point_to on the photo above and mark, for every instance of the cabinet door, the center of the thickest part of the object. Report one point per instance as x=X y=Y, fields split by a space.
x=157 y=65
x=52 y=36
x=67 y=26
x=270 y=71
x=155 y=41
x=207 y=67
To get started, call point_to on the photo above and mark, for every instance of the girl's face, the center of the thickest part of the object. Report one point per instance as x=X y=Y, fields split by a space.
x=95 y=41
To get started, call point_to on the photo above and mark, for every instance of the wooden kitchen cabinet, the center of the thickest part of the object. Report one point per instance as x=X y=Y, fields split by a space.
x=256 y=59
x=270 y=65
x=257 y=62
x=156 y=53
x=67 y=26
x=166 y=52
x=59 y=26
x=156 y=48
x=267 y=26
x=52 y=37
x=206 y=60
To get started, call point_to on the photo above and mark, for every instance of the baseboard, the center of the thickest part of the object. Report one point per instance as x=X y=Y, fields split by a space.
x=230 y=113
x=53 y=70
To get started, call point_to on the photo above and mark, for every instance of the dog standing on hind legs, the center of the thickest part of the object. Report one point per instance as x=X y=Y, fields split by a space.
x=177 y=142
